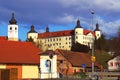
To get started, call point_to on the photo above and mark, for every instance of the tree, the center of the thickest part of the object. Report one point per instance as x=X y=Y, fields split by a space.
x=42 y=46
x=100 y=43
x=114 y=44
x=77 y=47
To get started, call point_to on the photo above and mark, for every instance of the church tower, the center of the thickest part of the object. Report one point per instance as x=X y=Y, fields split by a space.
x=97 y=31
x=32 y=34
x=13 y=29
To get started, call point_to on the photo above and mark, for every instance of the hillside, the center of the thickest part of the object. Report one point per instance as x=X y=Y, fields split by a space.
x=102 y=57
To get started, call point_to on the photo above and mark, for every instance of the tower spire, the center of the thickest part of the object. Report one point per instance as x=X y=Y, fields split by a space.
x=13 y=21
x=97 y=27
x=78 y=24
x=47 y=28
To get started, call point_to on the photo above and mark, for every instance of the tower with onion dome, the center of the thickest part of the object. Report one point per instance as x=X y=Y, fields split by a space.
x=32 y=34
x=97 y=31
x=13 y=29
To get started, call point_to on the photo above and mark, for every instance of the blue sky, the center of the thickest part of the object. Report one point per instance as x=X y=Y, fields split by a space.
x=60 y=15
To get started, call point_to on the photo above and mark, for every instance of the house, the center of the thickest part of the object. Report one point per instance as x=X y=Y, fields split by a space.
x=114 y=64
x=66 y=38
x=48 y=66
x=69 y=62
x=21 y=57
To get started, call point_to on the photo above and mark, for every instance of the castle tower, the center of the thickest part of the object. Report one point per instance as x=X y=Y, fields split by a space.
x=13 y=29
x=78 y=31
x=97 y=31
x=47 y=29
x=32 y=34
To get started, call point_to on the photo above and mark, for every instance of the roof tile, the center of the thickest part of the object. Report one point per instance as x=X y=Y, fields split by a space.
x=18 y=52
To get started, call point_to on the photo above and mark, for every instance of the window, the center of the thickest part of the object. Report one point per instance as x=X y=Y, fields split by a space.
x=50 y=39
x=76 y=37
x=15 y=28
x=10 y=28
x=69 y=38
x=66 y=38
x=59 y=39
x=54 y=39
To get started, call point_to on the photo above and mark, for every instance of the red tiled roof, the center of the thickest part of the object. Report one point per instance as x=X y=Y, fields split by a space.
x=88 y=31
x=61 y=33
x=77 y=58
x=3 y=38
x=55 y=34
x=13 y=52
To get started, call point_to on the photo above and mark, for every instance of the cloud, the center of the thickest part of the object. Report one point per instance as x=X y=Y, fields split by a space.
x=62 y=13
x=110 y=28
x=66 y=19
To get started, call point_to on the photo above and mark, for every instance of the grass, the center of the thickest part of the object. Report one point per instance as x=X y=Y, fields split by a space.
x=102 y=57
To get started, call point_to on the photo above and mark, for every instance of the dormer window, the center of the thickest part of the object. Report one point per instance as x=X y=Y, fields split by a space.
x=10 y=28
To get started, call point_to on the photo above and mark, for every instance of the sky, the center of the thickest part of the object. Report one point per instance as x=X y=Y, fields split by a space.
x=60 y=15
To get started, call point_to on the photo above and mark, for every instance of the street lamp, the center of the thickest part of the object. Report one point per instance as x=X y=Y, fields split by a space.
x=92 y=12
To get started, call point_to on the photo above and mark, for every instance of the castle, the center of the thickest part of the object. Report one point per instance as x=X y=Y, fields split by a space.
x=56 y=40
x=65 y=39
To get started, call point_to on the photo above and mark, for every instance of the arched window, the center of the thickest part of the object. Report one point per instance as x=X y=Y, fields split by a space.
x=48 y=65
x=10 y=28
x=15 y=28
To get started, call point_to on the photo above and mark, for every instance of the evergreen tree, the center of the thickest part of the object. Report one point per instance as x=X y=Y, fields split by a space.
x=100 y=43
x=77 y=47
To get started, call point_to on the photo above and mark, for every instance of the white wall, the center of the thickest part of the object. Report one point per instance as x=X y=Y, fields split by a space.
x=114 y=64
x=44 y=70
x=13 y=33
x=33 y=35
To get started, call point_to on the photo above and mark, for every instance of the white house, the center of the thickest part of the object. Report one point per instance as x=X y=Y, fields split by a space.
x=114 y=64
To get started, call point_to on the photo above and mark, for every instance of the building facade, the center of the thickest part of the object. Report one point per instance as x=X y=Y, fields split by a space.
x=65 y=39
x=48 y=65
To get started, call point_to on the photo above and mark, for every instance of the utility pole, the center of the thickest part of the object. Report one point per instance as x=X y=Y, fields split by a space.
x=92 y=57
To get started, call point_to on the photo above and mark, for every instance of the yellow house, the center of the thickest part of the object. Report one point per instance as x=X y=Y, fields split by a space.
x=20 y=57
